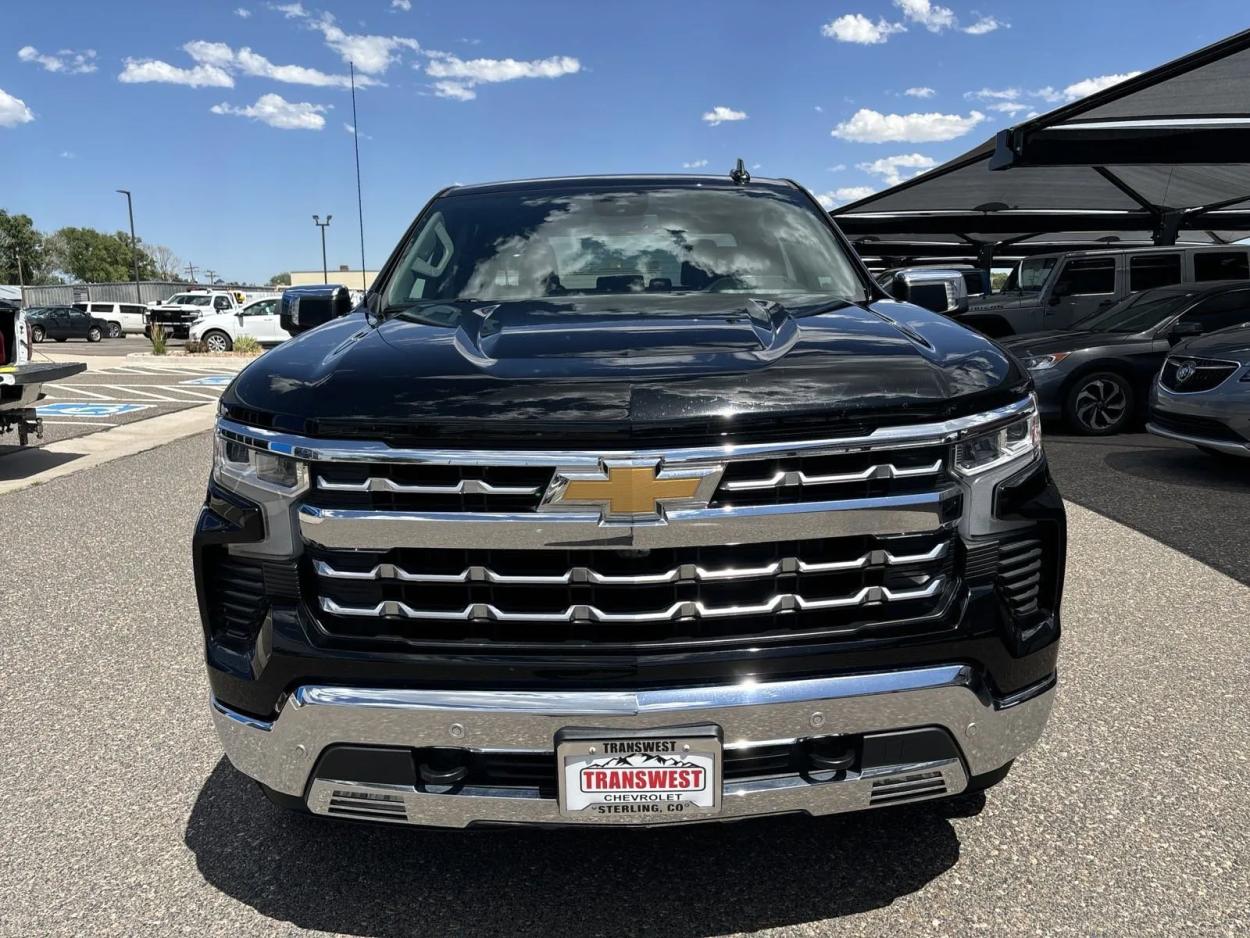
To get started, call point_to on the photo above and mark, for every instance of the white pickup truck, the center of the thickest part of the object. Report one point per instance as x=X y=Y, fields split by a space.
x=176 y=314
x=258 y=319
x=21 y=380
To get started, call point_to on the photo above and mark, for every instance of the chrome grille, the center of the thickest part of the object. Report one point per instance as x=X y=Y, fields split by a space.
x=1201 y=374
x=603 y=599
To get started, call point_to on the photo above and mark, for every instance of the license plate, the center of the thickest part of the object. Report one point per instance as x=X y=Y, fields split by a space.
x=646 y=776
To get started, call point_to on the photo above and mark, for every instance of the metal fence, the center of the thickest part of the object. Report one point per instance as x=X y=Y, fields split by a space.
x=150 y=291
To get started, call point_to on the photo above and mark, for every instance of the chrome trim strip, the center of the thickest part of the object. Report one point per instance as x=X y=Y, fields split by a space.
x=352 y=529
x=692 y=572
x=886 y=471
x=1224 y=446
x=301 y=447
x=282 y=752
x=779 y=603
x=463 y=487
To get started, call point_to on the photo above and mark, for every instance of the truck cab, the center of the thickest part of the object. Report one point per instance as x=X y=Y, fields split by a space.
x=176 y=314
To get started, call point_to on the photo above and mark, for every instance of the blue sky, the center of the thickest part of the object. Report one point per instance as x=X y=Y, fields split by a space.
x=228 y=122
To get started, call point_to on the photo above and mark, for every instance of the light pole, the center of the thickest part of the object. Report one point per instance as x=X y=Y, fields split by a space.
x=134 y=244
x=323 y=225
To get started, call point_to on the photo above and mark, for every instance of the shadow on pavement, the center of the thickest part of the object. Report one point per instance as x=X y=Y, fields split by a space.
x=18 y=462
x=1170 y=491
x=693 y=881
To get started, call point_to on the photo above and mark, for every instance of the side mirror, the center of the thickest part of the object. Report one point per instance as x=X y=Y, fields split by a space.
x=1184 y=330
x=304 y=308
x=935 y=289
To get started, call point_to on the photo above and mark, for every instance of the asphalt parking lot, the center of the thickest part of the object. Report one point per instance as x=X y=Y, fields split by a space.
x=1130 y=817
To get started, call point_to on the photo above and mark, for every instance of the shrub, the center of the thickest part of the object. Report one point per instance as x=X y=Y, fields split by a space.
x=246 y=344
x=158 y=337
x=195 y=347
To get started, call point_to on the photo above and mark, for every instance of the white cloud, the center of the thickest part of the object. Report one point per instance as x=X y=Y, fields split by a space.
x=1089 y=86
x=405 y=5
x=67 y=155
x=986 y=24
x=837 y=168
x=720 y=114
x=819 y=109
x=446 y=65
x=457 y=91
x=857 y=28
x=1049 y=95
x=136 y=71
x=276 y=111
x=994 y=94
x=242 y=12
x=868 y=126
x=351 y=129
x=370 y=54
x=1009 y=107
x=694 y=164
x=891 y=169
x=922 y=92
x=67 y=60
x=220 y=55
x=291 y=11
x=932 y=17
x=13 y=111
x=836 y=197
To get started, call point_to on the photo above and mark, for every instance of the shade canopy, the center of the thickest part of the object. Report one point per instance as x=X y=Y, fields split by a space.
x=1161 y=158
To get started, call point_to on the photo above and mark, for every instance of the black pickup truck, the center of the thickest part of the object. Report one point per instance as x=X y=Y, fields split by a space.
x=626 y=500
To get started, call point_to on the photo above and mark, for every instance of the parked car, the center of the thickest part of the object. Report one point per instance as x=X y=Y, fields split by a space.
x=121 y=318
x=176 y=314
x=1055 y=291
x=1203 y=394
x=22 y=380
x=64 y=322
x=258 y=319
x=1097 y=375
x=589 y=519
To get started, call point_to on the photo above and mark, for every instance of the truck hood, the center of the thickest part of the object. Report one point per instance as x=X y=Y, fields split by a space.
x=605 y=367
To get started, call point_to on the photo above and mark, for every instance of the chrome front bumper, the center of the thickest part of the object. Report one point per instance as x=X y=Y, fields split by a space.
x=990 y=732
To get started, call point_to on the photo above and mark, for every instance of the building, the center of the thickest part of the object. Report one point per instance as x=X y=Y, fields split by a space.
x=346 y=275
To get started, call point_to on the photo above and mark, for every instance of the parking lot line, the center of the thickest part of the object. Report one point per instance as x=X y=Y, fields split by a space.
x=76 y=423
x=56 y=389
x=146 y=394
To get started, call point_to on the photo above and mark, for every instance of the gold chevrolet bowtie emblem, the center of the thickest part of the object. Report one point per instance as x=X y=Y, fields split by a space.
x=632 y=491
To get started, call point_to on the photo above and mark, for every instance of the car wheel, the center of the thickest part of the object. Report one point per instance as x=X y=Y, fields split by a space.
x=1100 y=404
x=36 y=333
x=115 y=330
x=217 y=341
x=94 y=334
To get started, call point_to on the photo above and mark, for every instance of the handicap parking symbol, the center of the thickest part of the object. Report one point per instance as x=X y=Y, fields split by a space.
x=216 y=381
x=67 y=409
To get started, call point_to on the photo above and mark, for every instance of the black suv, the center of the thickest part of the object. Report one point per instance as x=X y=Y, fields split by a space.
x=627 y=500
x=65 y=322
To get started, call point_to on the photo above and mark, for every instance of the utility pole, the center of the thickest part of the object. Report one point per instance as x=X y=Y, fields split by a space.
x=360 y=205
x=134 y=244
x=190 y=269
x=212 y=276
x=323 y=225
x=21 y=284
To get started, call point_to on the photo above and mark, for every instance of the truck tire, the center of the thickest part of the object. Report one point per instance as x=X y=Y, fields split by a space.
x=95 y=334
x=217 y=341
x=115 y=330
x=1099 y=404
x=36 y=333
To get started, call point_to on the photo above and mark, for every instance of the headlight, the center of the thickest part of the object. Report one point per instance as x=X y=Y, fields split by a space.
x=1016 y=440
x=1045 y=362
x=259 y=468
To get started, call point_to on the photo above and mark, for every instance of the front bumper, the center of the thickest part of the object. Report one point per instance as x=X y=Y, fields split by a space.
x=1218 y=419
x=988 y=732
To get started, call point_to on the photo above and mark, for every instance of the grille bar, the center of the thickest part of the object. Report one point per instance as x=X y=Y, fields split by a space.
x=679 y=610
x=786 y=479
x=463 y=487
x=684 y=572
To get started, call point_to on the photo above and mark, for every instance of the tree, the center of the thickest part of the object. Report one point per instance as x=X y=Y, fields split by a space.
x=280 y=280
x=91 y=256
x=167 y=262
x=18 y=236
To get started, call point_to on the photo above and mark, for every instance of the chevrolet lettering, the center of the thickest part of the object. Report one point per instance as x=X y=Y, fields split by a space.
x=626 y=500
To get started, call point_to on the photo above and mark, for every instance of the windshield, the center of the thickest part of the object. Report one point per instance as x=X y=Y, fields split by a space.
x=190 y=299
x=524 y=245
x=1031 y=275
x=1138 y=313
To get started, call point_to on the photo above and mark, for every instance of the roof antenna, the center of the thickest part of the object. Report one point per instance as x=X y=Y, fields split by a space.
x=739 y=174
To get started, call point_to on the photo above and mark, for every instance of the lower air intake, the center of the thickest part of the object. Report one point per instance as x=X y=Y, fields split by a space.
x=367 y=806
x=899 y=788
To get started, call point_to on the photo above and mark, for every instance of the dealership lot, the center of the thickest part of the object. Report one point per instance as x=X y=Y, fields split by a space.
x=1128 y=818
